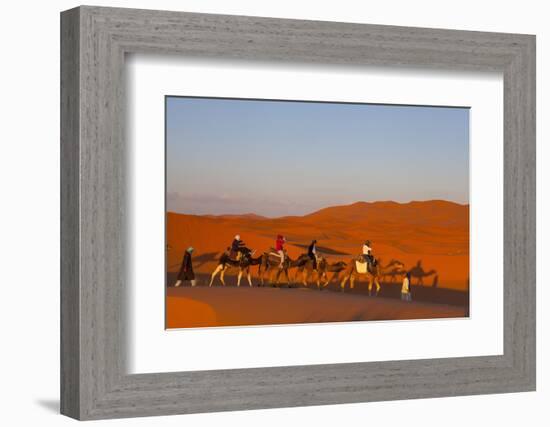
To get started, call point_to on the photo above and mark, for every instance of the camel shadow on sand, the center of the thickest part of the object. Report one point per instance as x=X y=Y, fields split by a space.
x=418 y=273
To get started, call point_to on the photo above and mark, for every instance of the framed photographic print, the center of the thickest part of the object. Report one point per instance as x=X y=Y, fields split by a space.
x=349 y=208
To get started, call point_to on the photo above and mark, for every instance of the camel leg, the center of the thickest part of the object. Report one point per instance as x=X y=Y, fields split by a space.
x=343 y=283
x=284 y=271
x=370 y=286
x=323 y=278
x=261 y=274
x=248 y=277
x=214 y=274
x=278 y=276
x=304 y=277
x=298 y=271
x=276 y=281
x=352 y=282
x=287 y=277
x=377 y=286
x=327 y=280
x=221 y=277
x=334 y=276
x=239 y=278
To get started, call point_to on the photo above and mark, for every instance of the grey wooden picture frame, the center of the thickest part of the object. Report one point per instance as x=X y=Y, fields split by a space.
x=94 y=42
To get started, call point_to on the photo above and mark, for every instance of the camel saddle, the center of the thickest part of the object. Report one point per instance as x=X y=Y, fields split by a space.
x=234 y=255
x=361 y=266
x=274 y=255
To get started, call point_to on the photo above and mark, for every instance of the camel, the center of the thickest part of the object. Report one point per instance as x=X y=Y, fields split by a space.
x=271 y=261
x=335 y=268
x=323 y=268
x=243 y=263
x=372 y=272
x=306 y=267
x=418 y=272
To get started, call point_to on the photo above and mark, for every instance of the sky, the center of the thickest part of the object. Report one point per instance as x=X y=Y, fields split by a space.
x=277 y=158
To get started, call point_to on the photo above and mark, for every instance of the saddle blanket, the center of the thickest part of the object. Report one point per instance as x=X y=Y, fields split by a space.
x=361 y=267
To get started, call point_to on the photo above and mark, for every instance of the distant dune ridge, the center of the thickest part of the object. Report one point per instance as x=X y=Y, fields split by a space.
x=433 y=233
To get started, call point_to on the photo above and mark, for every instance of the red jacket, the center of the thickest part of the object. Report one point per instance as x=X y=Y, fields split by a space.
x=279 y=243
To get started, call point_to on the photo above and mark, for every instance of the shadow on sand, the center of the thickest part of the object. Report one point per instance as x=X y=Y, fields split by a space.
x=436 y=295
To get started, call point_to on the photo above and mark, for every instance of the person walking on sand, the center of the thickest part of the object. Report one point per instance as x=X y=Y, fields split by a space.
x=186 y=270
x=279 y=247
x=406 y=289
x=312 y=253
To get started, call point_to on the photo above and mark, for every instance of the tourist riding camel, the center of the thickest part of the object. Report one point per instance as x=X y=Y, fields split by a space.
x=279 y=247
x=244 y=262
x=312 y=253
x=323 y=268
x=238 y=248
x=367 y=253
x=374 y=272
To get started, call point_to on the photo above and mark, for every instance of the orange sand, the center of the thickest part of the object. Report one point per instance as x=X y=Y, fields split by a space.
x=433 y=232
x=231 y=306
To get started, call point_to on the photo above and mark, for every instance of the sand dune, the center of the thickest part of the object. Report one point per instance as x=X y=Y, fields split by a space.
x=230 y=306
x=436 y=233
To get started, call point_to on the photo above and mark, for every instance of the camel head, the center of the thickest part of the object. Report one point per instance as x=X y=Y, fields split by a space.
x=340 y=264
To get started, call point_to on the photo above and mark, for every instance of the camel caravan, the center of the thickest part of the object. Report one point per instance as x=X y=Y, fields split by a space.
x=276 y=264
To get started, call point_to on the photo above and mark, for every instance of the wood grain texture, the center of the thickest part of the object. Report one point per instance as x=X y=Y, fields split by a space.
x=94 y=381
x=70 y=220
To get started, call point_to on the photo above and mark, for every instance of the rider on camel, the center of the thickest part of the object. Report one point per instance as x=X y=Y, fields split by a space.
x=279 y=247
x=237 y=246
x=312 y=253
x=367 y=253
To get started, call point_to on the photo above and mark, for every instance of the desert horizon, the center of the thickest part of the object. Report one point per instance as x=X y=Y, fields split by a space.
x=434 y=232
x=359 y=202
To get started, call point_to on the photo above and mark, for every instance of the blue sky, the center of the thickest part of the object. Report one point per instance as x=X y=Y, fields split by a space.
x=277 y=158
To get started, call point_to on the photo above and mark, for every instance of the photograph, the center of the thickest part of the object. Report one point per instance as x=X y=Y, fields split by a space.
x=299 y=212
